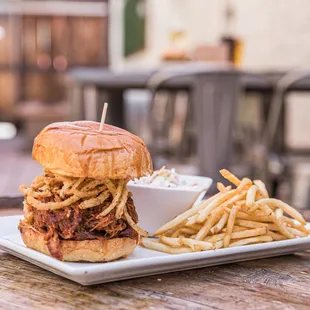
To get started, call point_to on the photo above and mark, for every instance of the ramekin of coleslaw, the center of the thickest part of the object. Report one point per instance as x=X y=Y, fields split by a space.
x=165 y=194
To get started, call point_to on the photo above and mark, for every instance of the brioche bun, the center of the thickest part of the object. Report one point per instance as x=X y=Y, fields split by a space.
x=79 y=149
x=81 y=251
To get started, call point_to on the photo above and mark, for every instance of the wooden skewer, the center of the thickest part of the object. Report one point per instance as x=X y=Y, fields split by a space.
x=103 y=116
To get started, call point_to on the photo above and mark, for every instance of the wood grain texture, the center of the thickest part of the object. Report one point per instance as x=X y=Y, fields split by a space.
x=273 y=283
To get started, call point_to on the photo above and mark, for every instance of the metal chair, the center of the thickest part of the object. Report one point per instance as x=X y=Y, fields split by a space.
x=170 y=116
x=274 y=162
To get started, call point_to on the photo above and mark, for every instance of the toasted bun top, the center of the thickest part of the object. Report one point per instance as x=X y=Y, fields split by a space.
x=79 y=149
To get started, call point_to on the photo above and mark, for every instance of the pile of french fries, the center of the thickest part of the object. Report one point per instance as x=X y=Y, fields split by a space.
x=233 y=217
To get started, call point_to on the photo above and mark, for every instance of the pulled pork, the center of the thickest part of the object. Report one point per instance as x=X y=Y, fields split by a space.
x=73 y=223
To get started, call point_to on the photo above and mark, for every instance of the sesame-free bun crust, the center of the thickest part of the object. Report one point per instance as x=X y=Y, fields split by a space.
x=81 y=251
x=79 y=149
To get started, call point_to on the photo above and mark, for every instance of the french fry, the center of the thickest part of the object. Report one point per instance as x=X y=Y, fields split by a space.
x=203 y=213
x=241 y=203
x=262 y=212
x=249 y=224
x=221 y=187
x=275 y=236
x=184 y=216
x=282 y=205
x=297 y=232
x=197 y=245
x=157 y=246
x=294 y=223
x=221 y=223
x=228 y=203
x=238 y=234
x=195 y=226
x=230 y=225
x=227 y=209
x=279 y=213
x=251 y=195
x=281 y=226
x=251 y=241
x=169 y=233
x=246 y=216
x=192 y=220
x=230 y=177
x=262 y=188
x=249 y=233
x=213 y=218
x=239 y=228
x=176 y=234
x=272 y=227
x=215 y=238
x=244 y=185
x=188 y=231
x=233 y=200
x=219 y=244
x=173 y=242
x=240 y=194
x=252 y=224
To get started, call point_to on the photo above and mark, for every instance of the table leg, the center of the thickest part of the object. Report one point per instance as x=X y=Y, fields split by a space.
x=215 y=98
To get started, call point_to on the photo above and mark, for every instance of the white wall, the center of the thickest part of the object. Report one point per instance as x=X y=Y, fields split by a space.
x=275 y=32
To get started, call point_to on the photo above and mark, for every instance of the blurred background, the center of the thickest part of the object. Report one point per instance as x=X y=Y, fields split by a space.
x=207 y=84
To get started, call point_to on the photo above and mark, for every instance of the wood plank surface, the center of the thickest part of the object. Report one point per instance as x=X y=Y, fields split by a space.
x=273 y=283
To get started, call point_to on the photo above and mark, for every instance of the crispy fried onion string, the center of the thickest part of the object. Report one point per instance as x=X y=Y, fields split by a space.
x=134 y=225
x=93 y=202
x=116 y=200
x=109 y=184
x=53 y=192
x=121 y=206
x=51 y=205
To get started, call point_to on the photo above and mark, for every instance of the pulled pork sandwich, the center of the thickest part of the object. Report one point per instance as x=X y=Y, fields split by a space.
x=80 y=209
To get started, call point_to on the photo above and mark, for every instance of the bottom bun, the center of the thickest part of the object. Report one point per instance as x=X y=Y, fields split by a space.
x=81 y=251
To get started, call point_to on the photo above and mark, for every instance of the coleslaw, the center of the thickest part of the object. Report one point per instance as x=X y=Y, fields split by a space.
x=167 y=178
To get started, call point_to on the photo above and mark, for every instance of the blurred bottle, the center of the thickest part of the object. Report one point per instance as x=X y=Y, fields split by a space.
x=233 y=43
x=235 y=49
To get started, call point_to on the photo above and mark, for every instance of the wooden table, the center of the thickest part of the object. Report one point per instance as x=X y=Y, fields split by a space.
x=273 y=283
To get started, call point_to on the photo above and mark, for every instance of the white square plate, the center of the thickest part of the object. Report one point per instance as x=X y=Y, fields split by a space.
x=142 y=262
